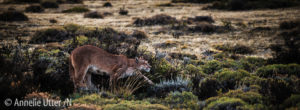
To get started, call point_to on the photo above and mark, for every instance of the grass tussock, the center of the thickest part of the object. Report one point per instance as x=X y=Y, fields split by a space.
x=50 y=4
x=123 y=11
x=94 y=14
x=237 y=48
x=34 y=9
x=78 y=9
x=13 y=16
x=160 y=19
x=107 y=4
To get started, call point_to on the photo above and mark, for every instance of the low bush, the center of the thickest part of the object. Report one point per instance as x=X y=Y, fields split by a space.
x=50 y=35
x=21 y=1
x=78 y=9
x=34 y=9
x=229 y=78
x=203 y=27
x=286 y=49
x=208 y=19
x=107 y=4
x=278 y=70
x=193 y=1
x=13 y=16
x=224 y=103
x=184 y=100
x=72 y=28
x=123 y=11
x=49 y=4
x=293 y=101
x=139 y=34
x=160 y=19
x=181 y=56
x=252 y=4
x=207 y=87
x=166 y=86
x=74 y=1
x=250 y=97
x=211 y=67
x=237 y=48
x=93 y=14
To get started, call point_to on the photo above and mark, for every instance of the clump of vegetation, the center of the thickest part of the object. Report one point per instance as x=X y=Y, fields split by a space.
x=286 y=49
x=237 y=48
x=167 y=44
x=182 y=100
x=34 y=9
x=50 y=35
x=107 y=4
x=224 y=103
x=208 y=19
x=211 y=67
x=13 y=16
x=278 y=70
x=94 y=14
x=139 y=34
x=49 y=4
x=74 y=1
x=77 y=9
x=229 y=78
x=252 y=4
x=293 y=101
x=181 y=56
x=53 y=21
x=166 y=86
x=72 y=27
x=165 y=5
x=192 y=1
x=123 y=11
x=21 y=1
x=203 y=27
x=160 y=19
x=207 y=87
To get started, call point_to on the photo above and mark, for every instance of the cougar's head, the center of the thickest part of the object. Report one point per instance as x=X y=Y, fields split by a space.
x=142 y=64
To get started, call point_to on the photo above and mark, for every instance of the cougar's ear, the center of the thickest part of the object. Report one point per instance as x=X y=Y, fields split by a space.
x=136 y=59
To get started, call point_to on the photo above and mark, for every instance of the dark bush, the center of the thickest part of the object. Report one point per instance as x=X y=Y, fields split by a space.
x=49 y=4
x=50 y=35
x=181 y=56
x=107 y=4
x=139 y=34
x=203 y=27
x=211 y=67
x=207 y=87
x=160 y=19
x=93 y=14
x=13 y=16
x=74 y=1
x=224 y=103
x=77 y=9
x=278 y=70
x=193 y=1
x=34 y=9
x=22 y=1
x=53 y=21
x=252 y=4
x=208 y=19
x=123 y=11
x=287 y=48
x=289 y=24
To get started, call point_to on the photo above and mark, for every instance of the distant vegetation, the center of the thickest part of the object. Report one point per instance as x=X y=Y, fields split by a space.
x=244 y=4
x=78 y=9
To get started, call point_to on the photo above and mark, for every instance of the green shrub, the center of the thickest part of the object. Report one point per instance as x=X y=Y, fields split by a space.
x=293 y=101
x=211 y=67
x=163 y=70
x=77 y=9
x=207 y=87
x=184 y=100
x=229 y=78
x=49 y=35
x=13 y=16
x=224 y=103
x=279 y=69
x=250 y=97
x=252 y=63
x=49 y=4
